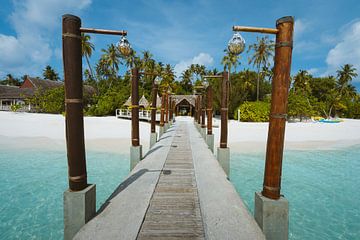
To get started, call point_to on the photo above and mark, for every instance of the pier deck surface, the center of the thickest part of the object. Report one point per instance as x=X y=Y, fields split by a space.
x=178 y=191
x=174 y=211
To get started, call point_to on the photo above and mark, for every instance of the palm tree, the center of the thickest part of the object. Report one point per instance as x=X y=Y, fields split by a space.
x=345 y=76
x=112 y=56
x=230 y=60
x=50 y=74
x=168 y=77
x=302 y=82
x=86 y=50
x=263 y=50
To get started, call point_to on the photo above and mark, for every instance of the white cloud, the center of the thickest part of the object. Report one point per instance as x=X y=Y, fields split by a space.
x=37 y=25
x=299 y=27
x=347 y=50
x=313 y=71
x=202 y=59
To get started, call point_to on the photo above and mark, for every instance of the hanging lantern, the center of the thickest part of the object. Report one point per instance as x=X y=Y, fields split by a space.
x=236 y=44
x=124 y=46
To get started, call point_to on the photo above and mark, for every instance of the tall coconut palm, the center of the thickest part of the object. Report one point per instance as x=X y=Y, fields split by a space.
x=230 y=60
x=168 y=77
x=302 y=82
x=345 y=76
x=86 y=50
x=262 y=51
x=112 y=56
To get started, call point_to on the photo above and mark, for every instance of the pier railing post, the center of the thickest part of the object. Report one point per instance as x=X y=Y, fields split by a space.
x=170 y=109
x=162 y=115
x=153 y=134
x=223 y=152
x=166 y=125
x=136 y=148
x=203 y=114
x=209 y=110
x=271 y=209
x=80 y=199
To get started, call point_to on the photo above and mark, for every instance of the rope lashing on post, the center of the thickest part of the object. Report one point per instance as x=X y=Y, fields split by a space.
x=133 y=106
x=73 y=100
x=78 y=178
x=71 y=35
x=279 y=115
x=284 y=44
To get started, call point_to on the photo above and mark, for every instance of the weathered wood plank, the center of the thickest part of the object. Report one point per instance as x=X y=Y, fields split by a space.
x=174 y=210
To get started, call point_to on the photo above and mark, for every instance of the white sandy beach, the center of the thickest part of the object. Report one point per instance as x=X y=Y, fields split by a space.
x=111 y=134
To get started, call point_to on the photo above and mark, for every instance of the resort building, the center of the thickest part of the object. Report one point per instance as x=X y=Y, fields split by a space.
x=184 y=104
x=18 y=95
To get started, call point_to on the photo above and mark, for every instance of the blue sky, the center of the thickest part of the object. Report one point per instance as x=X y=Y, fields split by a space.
x=327 y=33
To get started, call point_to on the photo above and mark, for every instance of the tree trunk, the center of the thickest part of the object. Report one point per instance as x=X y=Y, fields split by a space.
x=88 y=63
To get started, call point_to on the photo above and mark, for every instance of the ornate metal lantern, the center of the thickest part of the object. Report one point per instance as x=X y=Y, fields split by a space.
x=236 y=44
x=124 y=46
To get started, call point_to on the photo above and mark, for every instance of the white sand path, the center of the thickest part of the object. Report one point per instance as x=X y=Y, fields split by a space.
x=112 y=134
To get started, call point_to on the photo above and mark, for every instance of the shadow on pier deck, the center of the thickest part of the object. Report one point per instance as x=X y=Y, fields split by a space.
x=178 y=191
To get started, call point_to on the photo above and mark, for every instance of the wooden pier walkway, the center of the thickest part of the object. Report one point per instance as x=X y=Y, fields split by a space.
x=178 y=191
x=174 y=211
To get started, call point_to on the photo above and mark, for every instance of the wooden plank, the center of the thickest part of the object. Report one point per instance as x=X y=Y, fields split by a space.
x=174 y=210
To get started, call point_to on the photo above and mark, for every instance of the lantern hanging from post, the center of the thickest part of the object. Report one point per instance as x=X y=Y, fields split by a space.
x=124 y=46
x=236 y=44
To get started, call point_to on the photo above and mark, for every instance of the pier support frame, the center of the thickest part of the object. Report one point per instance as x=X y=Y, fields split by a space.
x=135 y=156
x=79 y=208
x=272 y=216
x=210 y=141
x=161 y=131
x=203 y=132
x=223 y=156
x=153 y=139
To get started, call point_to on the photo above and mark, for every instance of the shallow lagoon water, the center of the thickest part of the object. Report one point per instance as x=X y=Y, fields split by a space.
x=321 y=186
x=33 y=183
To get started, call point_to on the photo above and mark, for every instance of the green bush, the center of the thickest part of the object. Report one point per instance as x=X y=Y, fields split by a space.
x=107 y=104
x=253 y=112
x=15 y=107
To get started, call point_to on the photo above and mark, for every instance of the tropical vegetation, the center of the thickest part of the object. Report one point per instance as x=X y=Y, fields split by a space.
x=250 y=90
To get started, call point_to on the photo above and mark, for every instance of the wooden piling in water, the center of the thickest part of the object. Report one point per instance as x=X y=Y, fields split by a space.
x=135 y=138
x=74 y=122
x=278 y=112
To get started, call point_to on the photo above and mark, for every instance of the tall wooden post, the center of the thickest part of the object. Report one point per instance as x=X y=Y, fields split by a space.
x=209 y=108
x=74 y=122
x=162 y=112
x=153 y=107
x=170 y=108
x=135 y=138
x=278 y=112
x=166 y=107
x=203 y=112
x=195 y=109
x=199 y=110
x=224 y=110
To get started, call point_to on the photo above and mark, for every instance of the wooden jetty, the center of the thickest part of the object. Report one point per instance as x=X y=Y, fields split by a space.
x=178 y=191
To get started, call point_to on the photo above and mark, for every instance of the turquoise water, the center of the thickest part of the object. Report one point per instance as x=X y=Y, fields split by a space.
x=32 y=186
x=322 y=188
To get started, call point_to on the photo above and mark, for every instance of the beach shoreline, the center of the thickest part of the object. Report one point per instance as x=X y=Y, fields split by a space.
x=109 y=134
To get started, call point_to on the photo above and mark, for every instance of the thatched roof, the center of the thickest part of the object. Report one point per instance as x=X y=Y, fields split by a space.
x=128 y=102
x=143 y=102
x=189 y=98
x=14 y=92
x=158 y=101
